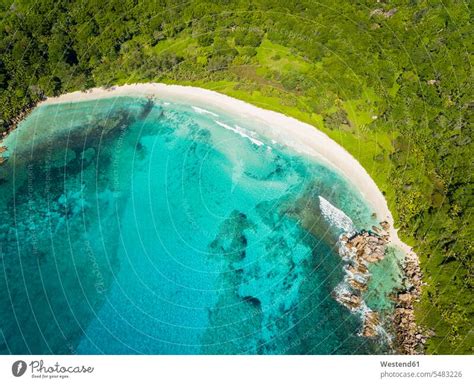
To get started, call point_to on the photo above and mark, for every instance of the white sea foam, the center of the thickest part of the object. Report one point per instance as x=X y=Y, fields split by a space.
x=204 y=111
x=335 y=216
x=342 y=289
x=381 y=332
x=242 y=132
x=346 y=253
x=251 y=135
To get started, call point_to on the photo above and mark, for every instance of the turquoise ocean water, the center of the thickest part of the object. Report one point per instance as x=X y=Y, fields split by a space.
x=131 y=226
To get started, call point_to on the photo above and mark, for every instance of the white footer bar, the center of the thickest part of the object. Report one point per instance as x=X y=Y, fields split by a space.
x=237 y=369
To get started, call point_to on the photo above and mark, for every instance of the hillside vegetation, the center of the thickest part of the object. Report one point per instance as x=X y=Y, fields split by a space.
x=390 y=81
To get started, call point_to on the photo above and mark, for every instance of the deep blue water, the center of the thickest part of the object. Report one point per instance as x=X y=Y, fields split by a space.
x=131 y=226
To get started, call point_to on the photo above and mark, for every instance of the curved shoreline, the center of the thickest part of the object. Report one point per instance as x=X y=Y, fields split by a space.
x=299 y=136
x=302 y=137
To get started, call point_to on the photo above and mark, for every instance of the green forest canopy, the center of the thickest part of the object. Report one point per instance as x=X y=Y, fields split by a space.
x=390 y=81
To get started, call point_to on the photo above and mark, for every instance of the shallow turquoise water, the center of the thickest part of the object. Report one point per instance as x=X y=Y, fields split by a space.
x=131 y=226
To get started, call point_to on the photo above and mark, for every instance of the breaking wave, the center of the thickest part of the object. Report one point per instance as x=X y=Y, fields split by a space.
x=204 y=111
x=242 y=132
x=336 y=217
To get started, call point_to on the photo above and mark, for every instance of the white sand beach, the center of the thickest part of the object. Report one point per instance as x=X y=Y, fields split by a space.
x=300 y=136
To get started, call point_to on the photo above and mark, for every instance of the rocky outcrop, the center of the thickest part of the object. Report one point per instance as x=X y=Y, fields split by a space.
x=369 y=247
x=364 y=248
x=410 y=338
x=371 y=324
x=359 y=250
x=385 y=225
x=350 y=300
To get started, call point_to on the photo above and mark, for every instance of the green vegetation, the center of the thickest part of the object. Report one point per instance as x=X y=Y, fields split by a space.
x=394 y=88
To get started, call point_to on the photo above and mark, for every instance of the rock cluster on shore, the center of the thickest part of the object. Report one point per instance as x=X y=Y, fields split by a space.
x=410 y=337
x=359 y=250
